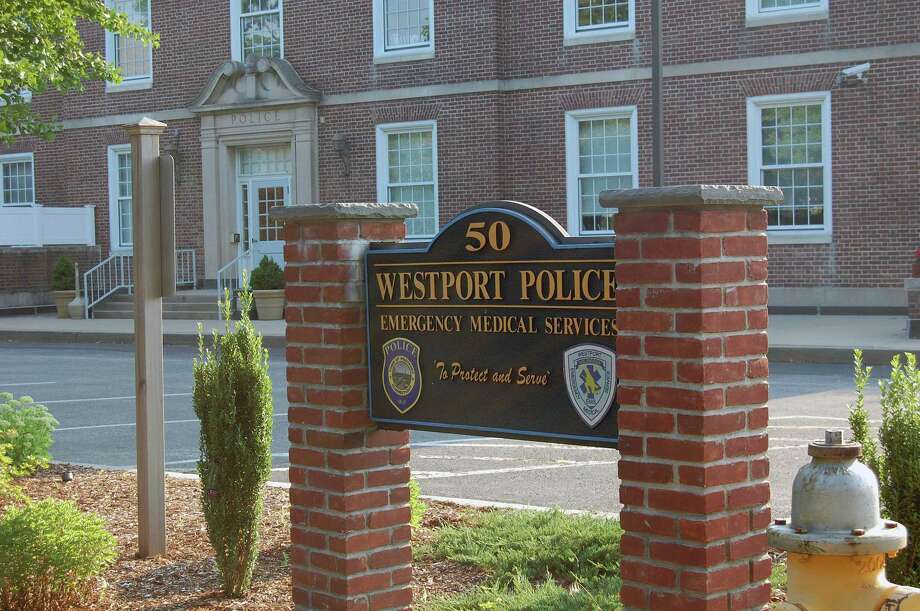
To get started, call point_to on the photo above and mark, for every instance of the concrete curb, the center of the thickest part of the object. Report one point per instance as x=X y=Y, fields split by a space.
x=73 y=337
x=829 y=355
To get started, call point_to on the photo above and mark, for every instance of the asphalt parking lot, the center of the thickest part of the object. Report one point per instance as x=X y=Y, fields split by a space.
x=89 y=388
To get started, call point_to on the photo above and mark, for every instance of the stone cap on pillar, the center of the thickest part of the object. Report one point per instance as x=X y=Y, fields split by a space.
x=318 y=213
x=692 y=196
x=146 y=126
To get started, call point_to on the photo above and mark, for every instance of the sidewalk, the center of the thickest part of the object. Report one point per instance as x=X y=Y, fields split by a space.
x=49 y=328
x=808 y=339
x=831 y=339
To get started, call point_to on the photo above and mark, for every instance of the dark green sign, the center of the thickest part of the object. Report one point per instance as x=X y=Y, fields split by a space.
x=501 y=325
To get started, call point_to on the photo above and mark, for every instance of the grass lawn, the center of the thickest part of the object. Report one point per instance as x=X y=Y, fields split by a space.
x=533 y=560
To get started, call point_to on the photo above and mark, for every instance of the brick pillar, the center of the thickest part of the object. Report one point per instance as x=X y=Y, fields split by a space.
x=692 y=367
x=349 y=481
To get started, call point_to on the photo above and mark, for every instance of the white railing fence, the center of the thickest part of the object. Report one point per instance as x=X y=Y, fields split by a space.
x=228 y=277
x=117 y=272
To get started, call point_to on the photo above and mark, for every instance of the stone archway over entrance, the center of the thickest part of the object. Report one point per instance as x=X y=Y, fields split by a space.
x=260 y=105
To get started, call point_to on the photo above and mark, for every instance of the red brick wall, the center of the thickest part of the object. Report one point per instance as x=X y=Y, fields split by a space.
x=715 y=29
x=511 y=145
x=28 y=270
x=72 y=170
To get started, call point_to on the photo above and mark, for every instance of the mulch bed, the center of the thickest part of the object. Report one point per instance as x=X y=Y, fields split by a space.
x=186 y=577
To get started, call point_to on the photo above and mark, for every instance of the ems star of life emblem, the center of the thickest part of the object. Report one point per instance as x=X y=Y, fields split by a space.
x=590 y=378
x=402 y=373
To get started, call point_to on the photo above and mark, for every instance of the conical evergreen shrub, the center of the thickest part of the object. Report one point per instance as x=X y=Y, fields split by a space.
x=233 y=400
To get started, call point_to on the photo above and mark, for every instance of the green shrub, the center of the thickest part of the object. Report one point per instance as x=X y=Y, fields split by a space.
x=27 y=428
x=895 y=458
x=416 y=506
x=535 y=544
x=267 y=276
x=9 y=492
x=233 y=399
x=522 y=595
x=62 y=276
x=52 y=554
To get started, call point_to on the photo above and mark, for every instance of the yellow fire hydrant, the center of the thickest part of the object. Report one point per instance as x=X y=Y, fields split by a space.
x=836 y=539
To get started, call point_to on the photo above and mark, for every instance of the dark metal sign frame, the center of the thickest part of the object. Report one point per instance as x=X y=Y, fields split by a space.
x=400 y=393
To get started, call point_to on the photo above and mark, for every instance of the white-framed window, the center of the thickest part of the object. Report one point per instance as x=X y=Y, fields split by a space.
x=403 y=30
x=789 y=146
x=407 y=171
x=256 y=28
x=17 y=178
x=602 y=153
x=770 y=12
x=120 y=204
x=133 y=58
x=590 y=21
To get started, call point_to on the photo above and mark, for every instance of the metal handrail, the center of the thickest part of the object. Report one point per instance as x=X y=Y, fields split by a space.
x=117 y=272
x=104 y=279
x=228 y=277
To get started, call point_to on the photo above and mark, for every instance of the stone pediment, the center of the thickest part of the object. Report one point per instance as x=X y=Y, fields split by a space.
x=259 y=82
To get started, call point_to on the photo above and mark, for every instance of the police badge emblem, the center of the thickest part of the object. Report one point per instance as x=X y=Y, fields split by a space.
x=402 y=373
x=590 y=378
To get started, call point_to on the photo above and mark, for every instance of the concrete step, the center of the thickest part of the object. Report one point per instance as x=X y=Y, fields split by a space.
x=195 y=297
x=167 y=315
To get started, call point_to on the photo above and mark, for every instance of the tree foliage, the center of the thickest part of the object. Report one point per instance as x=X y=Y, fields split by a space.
x=41 y=49
x=895 y=457
x=233 y=400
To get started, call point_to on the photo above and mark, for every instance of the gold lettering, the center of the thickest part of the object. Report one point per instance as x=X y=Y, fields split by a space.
x=385 y=283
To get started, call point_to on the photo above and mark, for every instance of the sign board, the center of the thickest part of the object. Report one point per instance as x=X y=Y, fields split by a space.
x=501 y=325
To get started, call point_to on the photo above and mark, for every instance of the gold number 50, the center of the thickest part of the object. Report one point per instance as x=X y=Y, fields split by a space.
x=498 y=236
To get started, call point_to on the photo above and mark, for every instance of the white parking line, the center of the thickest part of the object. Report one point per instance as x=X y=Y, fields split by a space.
x=485 y=458
x=126 y=424
x=542 y=446
x=191 y=460
x=444 y=474
x=125 y=398
x=27 y=384
x=275 y=390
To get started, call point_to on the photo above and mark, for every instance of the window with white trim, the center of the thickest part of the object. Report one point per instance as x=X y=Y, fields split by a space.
x=590 y=21
x=17 y=176
x=132 y=57
x=407 y=171
x=789 y=146
x=601 y=154
x=403 y=30
x=257 y=28
x=120 y=204
x=769 y=12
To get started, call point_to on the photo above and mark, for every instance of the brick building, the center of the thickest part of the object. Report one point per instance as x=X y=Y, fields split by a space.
x=451 y=103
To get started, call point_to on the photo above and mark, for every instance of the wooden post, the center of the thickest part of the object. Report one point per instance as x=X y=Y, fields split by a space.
x=148 y=337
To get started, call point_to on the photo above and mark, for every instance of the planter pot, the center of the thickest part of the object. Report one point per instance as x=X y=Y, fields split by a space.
x=62 y=299
x=269 y=304
x=916 y=269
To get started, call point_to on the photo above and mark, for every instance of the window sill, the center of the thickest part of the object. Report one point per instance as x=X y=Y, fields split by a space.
x=799 y=237
x=137 y=85
x=789 y=16
x=598 y=36
x=404 y=55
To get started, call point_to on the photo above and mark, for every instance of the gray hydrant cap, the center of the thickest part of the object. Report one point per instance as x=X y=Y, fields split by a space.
x=835 y=506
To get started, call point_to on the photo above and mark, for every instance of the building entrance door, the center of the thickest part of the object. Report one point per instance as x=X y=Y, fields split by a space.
x=260 y=236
